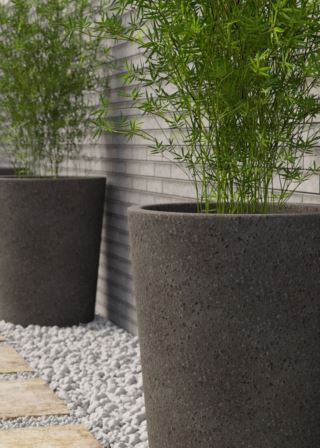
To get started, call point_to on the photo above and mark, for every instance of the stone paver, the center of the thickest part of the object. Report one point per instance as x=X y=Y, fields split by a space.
x=11 y=361
x=24 y=398
x=33 y=397
x=68 y=436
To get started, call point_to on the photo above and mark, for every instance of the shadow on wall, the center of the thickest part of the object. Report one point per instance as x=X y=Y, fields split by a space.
x=115 y=298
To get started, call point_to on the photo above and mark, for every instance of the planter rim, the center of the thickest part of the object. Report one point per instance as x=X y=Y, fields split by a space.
x=168 y=210
x=49 y=178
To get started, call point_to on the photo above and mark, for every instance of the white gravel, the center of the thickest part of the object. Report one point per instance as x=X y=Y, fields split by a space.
x=96 y=369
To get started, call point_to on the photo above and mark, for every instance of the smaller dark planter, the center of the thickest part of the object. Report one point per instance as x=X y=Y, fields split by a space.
x=50 y=232
x=228 y=314
x=6 y=171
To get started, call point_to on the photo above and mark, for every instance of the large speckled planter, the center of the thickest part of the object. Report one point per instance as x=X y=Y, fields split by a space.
x=229 y=322
x=50 y=232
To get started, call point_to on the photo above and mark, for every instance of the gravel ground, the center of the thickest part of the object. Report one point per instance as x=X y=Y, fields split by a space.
x=96 y=369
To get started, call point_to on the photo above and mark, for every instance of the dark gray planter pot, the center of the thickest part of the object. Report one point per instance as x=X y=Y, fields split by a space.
x=6 y=171
x=50 y=232
x=228 y=314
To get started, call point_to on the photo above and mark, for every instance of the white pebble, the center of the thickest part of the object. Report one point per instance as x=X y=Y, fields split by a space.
x=96 y=369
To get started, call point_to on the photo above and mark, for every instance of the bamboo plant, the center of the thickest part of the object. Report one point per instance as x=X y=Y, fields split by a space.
x=47 y=69
x=234 y=84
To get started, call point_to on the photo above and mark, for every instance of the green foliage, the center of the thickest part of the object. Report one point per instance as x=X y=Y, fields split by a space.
x=235 y=83
x=49 y=62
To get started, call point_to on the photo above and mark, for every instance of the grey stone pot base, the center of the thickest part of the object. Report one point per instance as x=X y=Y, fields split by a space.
x=49 y=249
x=228 y=312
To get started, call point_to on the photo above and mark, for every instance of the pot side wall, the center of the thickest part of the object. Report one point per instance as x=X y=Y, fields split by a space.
x=228 y=313
x=49 y=246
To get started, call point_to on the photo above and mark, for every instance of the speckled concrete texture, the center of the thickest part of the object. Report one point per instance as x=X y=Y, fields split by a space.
x=228 y=312
x=49 y=249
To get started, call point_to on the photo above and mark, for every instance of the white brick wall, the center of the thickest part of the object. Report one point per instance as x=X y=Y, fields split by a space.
x=135 y=176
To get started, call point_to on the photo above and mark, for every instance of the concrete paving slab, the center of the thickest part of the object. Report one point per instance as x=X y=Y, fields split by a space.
x=22 y=398
x=68 y=436
x=11 y=361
